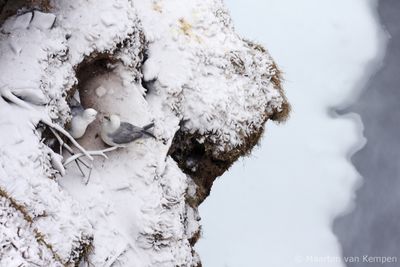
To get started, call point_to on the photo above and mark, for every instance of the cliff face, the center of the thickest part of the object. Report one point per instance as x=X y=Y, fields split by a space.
x=181 y=65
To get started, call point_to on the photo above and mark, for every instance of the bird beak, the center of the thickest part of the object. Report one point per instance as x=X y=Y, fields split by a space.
x=106 y=117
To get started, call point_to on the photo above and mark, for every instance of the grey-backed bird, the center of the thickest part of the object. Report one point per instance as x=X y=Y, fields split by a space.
x=120 y=134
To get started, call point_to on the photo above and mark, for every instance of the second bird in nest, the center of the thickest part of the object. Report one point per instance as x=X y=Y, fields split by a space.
x=81 y=118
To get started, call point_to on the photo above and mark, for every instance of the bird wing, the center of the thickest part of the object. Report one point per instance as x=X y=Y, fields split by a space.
x=77 y=110
x=126 y=133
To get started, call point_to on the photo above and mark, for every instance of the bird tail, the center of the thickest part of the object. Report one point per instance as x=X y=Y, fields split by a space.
x=148 y=126
x=148 y=134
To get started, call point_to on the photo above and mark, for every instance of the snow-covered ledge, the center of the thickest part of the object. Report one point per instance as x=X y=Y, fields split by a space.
x=181 y=65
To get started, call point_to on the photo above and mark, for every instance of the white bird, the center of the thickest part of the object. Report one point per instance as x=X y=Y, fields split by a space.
x=81 y=118
x=120 y=134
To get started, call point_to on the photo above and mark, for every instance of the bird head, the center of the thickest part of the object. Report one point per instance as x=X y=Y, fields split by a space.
x=90 y=114
x=111 y=122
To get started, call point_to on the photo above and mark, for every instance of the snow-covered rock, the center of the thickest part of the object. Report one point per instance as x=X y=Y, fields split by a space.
x=19 y=22
x=208 y=91
x=42 y=21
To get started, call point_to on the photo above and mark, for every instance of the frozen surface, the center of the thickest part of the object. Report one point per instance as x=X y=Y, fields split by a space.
x=277 y=207
x=377 y=203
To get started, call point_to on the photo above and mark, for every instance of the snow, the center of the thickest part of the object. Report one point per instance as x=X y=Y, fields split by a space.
x=131 y=205
x=276 y=208
x=16 y=234
x=31 y=95
x=206 y=46
x=23 y=156
x=40 y=71
x=101 y=91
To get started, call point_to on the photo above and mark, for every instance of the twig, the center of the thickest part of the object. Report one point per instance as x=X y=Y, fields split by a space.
x=67 y=147
x=77 y=156
x=59 y=139
x=6 y=93
x=100 y=153
x=90 y=173
x=64 y=132
x=11 y=97
x=80 y=169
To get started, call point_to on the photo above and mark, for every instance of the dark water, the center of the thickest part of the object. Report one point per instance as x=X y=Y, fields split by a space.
x=373 y=228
